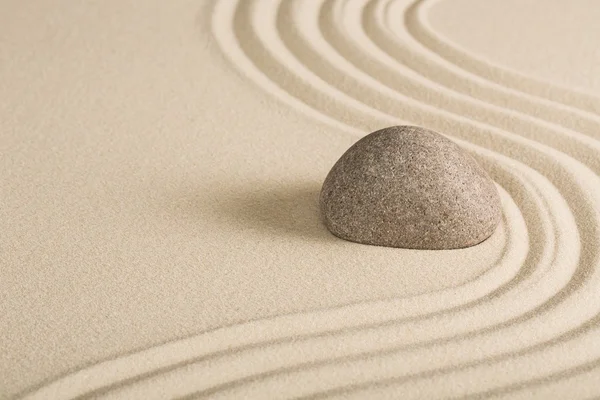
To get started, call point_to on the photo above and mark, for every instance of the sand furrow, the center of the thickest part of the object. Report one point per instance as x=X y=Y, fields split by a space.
x=386 y=30
x=416 y=18
x=350 y=39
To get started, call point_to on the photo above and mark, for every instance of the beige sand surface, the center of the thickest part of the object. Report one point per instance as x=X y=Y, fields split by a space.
x=160 y=167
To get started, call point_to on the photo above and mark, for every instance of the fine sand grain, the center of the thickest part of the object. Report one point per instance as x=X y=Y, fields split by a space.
x=160 y=172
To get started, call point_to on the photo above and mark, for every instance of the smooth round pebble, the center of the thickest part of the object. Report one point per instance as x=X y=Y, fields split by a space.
x=409 y=187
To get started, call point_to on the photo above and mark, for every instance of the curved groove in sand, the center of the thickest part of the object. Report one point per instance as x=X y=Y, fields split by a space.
x=202 y=373
x=395 y=40
x=416 y=20
x=330 y=75
x=303 y=54
x=363 y=54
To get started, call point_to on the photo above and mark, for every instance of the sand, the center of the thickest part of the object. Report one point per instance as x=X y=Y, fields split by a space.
x=160 y=171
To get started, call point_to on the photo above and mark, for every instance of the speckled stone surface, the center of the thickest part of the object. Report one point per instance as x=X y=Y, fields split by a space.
x=409 y=187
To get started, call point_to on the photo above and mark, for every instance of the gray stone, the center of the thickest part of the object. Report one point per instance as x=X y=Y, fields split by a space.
x=409 y=187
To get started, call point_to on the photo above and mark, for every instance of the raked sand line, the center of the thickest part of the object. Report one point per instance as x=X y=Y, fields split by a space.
x=395 y=39
x=363 y=91
x=262 y=12
x=397 y=343
x=405 y=81
x=416 y=17
x=357 y=47
x=184 y=349
x=113 y=375
x=301 y=352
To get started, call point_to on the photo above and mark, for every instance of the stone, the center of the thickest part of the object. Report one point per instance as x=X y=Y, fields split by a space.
x=409 y=187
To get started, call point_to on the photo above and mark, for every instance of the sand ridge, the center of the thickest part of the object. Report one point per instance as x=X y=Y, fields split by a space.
x=526 y=327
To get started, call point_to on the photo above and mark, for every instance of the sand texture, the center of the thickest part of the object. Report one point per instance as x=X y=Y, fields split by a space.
x=160 y=168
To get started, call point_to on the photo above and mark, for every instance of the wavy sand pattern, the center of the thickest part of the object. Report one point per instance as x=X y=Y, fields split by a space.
x=527 y=328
